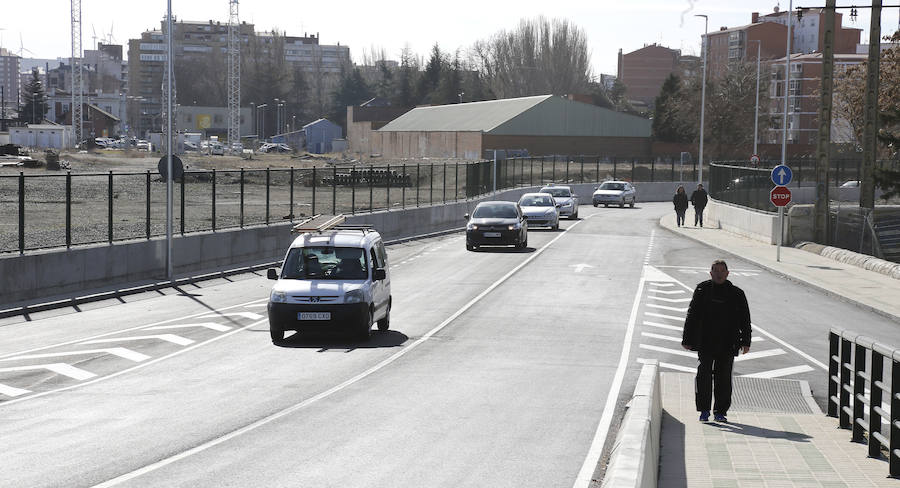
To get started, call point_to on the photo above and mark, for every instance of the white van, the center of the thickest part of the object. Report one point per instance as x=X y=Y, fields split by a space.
x=333 y=279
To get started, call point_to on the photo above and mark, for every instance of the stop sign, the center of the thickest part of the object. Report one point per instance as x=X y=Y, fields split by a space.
x=780 y=196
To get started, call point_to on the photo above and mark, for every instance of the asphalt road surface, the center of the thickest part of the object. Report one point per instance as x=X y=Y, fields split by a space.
x=501 y=368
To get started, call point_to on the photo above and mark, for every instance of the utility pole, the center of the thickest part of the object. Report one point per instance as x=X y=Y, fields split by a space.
x=703 y=92
x=823 y=149
x=870 y=116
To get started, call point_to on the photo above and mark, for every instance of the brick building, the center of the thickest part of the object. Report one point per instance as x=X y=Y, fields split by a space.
x=644 y=71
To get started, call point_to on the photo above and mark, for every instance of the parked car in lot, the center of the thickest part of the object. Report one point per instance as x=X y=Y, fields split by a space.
x=333 y=281
x=274 y=147
x=567 y=200
x=541 y=210
x=496 y=223
x=614 y=193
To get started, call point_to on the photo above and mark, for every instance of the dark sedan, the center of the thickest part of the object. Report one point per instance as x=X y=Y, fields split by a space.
x=496 y=224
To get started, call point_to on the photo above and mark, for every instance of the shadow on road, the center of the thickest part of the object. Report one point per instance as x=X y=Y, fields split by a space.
x=504 y=250
x=306 y=340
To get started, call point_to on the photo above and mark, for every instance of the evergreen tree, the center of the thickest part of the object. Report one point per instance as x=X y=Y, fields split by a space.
x=406 y=79
x=666 y=124
x=450 y=84
x=35 y=107
x=352 y=90
x=428 y=82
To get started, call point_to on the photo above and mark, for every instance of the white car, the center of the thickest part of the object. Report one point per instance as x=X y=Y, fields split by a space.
x=614 y=193
x=334 y=280
x=541 y=210
x=565 y=198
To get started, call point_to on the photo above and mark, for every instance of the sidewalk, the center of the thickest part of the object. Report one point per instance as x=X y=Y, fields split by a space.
x=776 y=435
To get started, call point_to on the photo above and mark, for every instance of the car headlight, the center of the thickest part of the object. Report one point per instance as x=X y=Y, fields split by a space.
x=471 y=227
x=278 y=297
x=355 y=296
x=515 y=226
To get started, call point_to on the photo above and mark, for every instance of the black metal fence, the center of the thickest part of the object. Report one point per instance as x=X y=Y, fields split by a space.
x=863 y=395
x=39 y=211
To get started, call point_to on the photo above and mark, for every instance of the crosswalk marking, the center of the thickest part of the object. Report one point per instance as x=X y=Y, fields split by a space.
x=208 y=325
x=58 y=368
x=666 y=307
x=115 y=351
x=249 y=315
x=12 y=391
x=662 y=337
x=664 y=316
x=174 y=339
x=663 y=326
x=775 y=373
x=759 y=354
x=671 y=300
x=682 y=352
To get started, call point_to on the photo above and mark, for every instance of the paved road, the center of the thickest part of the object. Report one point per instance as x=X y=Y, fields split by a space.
x=503 y=368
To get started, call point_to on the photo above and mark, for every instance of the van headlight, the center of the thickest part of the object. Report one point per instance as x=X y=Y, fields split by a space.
x=355 y=296
x=471 y=227
x=278 y=297
x=515 y=226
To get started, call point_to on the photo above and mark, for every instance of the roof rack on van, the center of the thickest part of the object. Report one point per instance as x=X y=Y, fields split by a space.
x=318 y=223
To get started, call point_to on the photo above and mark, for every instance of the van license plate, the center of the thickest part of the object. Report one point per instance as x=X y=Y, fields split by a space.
x=491 y=234
x=314 y=316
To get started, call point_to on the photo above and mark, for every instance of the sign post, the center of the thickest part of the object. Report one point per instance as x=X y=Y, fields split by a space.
x=780 y=196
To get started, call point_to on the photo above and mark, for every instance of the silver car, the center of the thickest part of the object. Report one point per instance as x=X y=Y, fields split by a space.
x=565 y=198
x=541 y=210
x=614 y=193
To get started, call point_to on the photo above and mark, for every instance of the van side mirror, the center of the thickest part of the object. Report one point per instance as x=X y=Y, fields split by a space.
x=466 y=216
x=272 y=274
x=379 y=274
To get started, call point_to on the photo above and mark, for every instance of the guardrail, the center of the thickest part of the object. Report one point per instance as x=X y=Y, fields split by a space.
x=856 y=388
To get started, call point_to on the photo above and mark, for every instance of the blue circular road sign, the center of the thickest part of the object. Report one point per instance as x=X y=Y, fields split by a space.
x=781 y=175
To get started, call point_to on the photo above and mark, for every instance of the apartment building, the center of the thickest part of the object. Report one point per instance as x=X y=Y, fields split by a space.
x=10 y=83
x=644 y=71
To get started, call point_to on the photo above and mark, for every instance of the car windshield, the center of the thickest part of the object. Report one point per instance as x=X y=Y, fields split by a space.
x=495 y=212
x=557 y=192
x=612 y=186
x=536 y=201
x=325 y=263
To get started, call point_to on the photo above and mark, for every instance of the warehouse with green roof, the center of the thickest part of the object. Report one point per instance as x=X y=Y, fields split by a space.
x=541 y=125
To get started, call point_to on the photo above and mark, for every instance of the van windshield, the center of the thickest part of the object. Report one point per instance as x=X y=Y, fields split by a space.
x=325 y=263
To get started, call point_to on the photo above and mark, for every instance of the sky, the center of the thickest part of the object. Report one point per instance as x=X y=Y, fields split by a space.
x=390 y=25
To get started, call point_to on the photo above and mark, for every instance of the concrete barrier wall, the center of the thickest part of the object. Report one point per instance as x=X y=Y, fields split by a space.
x=755 y=224
x=634 y=459
x=56 y=272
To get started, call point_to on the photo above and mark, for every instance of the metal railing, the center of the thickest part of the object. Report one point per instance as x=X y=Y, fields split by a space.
x=39 y=211
x=857 y=386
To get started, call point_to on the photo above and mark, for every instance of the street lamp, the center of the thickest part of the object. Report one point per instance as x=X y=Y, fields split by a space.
x=756 y=113
x=703 y=91
x=262 y=120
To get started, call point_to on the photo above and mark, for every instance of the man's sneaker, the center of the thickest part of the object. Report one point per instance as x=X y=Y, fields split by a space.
x=704 y=416
x=719 y=418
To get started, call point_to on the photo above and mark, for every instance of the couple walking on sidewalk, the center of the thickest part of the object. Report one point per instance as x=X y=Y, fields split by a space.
x=699 y=199
x=717 y=326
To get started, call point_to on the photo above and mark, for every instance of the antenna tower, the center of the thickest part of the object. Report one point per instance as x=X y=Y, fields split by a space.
x=77 y=81
x=234 y=76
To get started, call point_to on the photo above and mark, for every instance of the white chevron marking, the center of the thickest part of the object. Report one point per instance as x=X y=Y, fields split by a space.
x=759 y=354
x=664 y=326
x=668 y=292
x=249 y=315
x=664 y=307
x=775 y=373
x=208 y=325
x=664 y=316
x=662 y=337
x=12 y=391
x=677 y=352
x=174 y=339
x=676 y=367
x=58 y=368
x=670 y=300
x=115 y=351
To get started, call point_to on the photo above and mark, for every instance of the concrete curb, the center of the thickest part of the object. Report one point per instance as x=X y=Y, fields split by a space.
x=634 y=459
x=864 y=261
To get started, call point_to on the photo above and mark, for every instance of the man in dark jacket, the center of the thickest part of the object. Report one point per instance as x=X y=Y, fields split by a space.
x=699 y=198
x=717 y=327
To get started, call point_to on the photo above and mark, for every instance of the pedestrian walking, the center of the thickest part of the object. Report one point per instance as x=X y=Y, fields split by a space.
x=699 y=199
x=681 y=204
x=717 y=326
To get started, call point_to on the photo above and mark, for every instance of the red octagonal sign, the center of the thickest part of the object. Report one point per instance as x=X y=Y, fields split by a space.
x=780 y=196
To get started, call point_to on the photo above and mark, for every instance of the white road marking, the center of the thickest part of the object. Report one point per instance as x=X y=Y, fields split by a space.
x=667 y=350
x=662 y=337
x=675 y=367
x=670 y=300
x=704 y=268
x=11 y=391
x=756 y=339
x=249 y=315
x=792 y=348
x=580 y=267
x=775 y=373
x=208 y=325
x=664 y=307
x=174 y=339
x=668 y=292
x=759 y=354
x=661 y=284
x=664 y=316
x=255 y=305
x=663 y=326
x=115 y=351
x=381 y=365
x=58 y=368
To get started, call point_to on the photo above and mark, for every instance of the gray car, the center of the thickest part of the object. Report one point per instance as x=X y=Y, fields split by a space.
x=567 y=200
x=614 y=193
x=541 y=210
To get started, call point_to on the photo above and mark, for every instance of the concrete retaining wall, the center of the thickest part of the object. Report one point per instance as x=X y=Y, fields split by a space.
x=634 y=460
x=57 y=272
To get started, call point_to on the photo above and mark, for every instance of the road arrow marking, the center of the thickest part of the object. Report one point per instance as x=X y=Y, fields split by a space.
x=208 y=325
x=775 y=373
x=671 y=300
x=174 y=339
x=115 y=351
x=759 y=354
x=249 y=315
x=58 y=368
x=674 y=309
x=11 y=391
x=580 y=267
